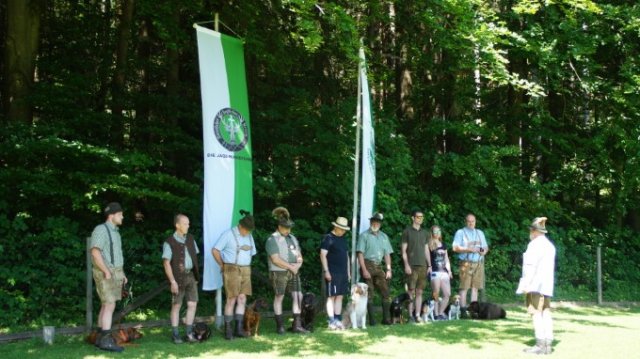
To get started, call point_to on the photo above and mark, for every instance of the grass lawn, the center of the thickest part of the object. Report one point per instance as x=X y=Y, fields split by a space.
x=581 y=332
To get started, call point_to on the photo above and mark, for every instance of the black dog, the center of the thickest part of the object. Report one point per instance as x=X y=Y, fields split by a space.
x=308 y=310
x=201 y=331
x=484 y=310
x=398 y=303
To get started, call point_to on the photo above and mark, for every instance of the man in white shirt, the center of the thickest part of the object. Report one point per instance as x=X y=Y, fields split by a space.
x=538 y=269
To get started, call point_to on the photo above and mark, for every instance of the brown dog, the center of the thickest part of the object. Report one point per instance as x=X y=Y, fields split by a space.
x=121 y=336
x=252 y=316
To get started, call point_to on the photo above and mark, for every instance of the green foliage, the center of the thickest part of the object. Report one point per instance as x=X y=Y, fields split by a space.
x=508 y=110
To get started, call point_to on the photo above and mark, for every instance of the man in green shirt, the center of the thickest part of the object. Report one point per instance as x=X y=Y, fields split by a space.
x=373 y=247
x=417 y=263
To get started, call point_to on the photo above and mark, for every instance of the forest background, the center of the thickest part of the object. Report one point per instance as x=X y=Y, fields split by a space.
x=508 y=109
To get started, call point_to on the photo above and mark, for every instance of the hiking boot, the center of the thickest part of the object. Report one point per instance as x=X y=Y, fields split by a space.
x=297 y=327
x=107 y=343
x=372 y=320
x=385 y=312
x=240 y=327
x=98 y=337
x=279 y=324
x=176 y=339
x=228 y=331
x=539 y=348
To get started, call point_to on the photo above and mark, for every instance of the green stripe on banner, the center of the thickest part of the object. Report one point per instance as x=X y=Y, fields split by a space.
x=234 y=62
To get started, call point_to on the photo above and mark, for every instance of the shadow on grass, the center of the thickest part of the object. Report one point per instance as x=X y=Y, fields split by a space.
x=376 y=341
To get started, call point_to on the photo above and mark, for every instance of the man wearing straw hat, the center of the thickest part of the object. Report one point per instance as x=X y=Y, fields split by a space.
x=285 y=260
x=538 y=270
x=108 y=273
x=334 y=257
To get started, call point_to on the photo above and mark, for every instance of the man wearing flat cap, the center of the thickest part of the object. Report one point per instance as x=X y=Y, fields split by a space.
x=374 y=256
x=334 y=256
x=233 y=252
x=108 y=272
x=285 y=260
x=538 y=270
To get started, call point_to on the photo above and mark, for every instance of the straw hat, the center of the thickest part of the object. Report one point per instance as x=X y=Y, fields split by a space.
x=342 y=223
x=538 y=224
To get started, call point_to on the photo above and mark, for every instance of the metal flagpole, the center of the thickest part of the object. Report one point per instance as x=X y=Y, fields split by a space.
x=356 y=178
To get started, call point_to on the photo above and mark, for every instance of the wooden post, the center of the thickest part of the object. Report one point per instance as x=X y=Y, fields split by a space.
x=89 y=299
x=599 y=271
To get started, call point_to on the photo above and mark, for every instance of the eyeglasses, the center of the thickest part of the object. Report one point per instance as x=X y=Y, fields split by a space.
x=418 y=217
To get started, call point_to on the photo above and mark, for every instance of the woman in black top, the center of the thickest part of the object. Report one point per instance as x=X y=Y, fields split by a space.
x=440 y=272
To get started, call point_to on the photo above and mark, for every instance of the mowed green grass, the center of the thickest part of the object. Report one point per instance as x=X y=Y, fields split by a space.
x=581 y=332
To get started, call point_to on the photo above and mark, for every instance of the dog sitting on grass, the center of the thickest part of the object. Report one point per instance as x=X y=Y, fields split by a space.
x=399 y=304
x=355 y=315
x=308 y=311
x=252 y=316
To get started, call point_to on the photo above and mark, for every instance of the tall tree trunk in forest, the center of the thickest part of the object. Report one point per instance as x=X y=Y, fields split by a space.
x=20 y=52
x=173 y=69
x=104 y=37
x=139 y=132
x=119 y=78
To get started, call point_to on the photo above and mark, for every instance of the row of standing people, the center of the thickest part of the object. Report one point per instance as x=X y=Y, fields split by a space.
x=424 y=256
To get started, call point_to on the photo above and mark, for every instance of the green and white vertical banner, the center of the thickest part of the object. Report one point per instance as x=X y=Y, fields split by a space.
x=368 y=188
x=228 y=186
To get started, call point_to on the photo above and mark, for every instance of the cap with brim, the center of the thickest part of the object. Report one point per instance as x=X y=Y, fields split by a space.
x=341 y=223
x=112 y=208
x=538 y=224
x=377 y=217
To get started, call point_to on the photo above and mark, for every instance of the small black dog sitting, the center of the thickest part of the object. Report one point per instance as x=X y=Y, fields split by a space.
x=308 y=311
x=399 y=303
x=201 y=331
x=485 y=310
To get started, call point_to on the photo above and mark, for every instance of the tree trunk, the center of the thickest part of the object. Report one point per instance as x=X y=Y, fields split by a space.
x=119 y=78
x=21 y=49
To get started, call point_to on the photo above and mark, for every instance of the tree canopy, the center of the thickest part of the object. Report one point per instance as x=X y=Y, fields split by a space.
x=508 y=109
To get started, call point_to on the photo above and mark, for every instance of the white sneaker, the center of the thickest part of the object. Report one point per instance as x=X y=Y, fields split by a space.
x=339 y=325
x=332 y=325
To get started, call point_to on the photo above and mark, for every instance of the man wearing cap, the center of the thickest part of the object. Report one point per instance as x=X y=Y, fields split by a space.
x=417 y=263
x=373 y=247
x=538 y=269
x=108 y=273
x=233 y=252
x=334 y=257
x=285 y=260
x=183 y=274
x=471 y=246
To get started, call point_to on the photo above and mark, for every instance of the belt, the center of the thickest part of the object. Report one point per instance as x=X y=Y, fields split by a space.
x=236 y=265
x=467 y=261
x=373 y=262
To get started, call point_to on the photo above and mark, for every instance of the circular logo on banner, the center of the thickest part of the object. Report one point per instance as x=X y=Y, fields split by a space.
x=231 y=129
